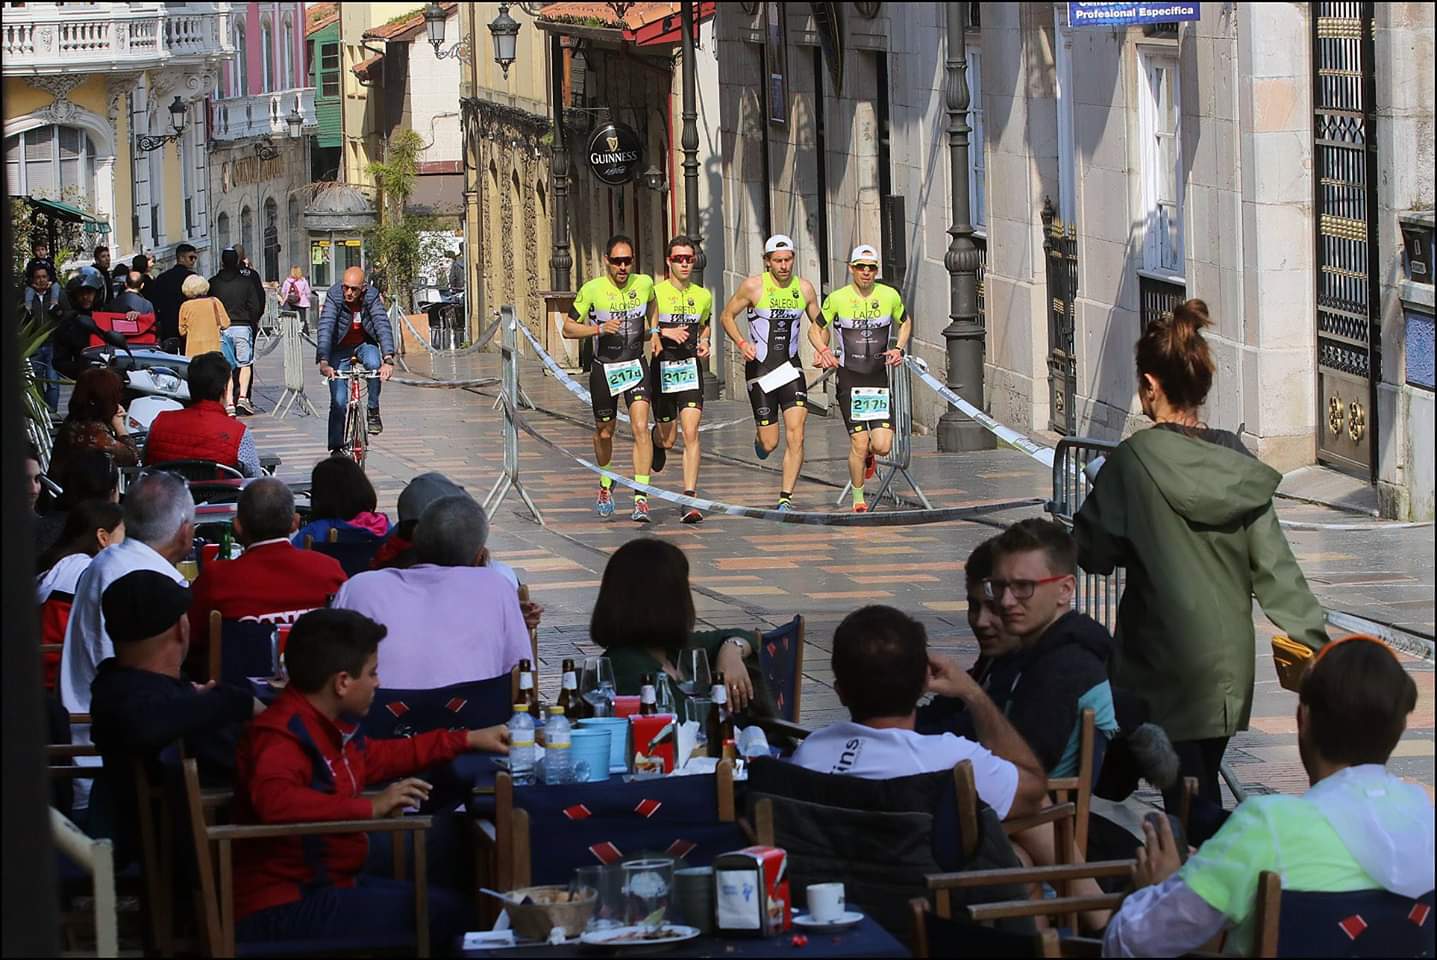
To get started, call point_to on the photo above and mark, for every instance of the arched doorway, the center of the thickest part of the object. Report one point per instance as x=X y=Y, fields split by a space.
x=271 y=241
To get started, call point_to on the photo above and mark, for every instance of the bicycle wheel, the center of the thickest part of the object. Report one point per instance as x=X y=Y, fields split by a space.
x=359 y=405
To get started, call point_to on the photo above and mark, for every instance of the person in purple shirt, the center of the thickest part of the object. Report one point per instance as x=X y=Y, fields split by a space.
x=450 y=619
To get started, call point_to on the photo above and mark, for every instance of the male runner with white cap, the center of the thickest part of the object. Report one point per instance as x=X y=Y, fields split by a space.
x=864 y=313
x=776 y=301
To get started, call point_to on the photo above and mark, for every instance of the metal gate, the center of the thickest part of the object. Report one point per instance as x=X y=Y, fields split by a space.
x=1060 y=243
x=1349 y=346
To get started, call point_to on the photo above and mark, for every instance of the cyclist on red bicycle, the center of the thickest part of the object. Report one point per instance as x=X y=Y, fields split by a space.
x=353 y=323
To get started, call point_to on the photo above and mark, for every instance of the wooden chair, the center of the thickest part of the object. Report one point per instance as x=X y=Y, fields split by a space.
x=541 y=833
x=239 y=649
x=780 y=660
x=214 y=854
x=1078 y=788
x=934 y=935
x=1359 y=923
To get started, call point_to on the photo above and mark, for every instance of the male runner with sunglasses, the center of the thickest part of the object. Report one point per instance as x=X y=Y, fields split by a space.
x=679 y=315
x=864 y=313
x=614 y=308
x=776 y=301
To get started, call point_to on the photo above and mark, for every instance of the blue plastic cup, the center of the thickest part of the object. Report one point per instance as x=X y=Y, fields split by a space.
x=589 y=751
x=618 y=728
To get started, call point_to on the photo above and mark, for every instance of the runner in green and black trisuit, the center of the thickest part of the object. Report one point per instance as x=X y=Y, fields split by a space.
x=776 y=301
x=679 y=315
x=864 y=312
x=614 y=308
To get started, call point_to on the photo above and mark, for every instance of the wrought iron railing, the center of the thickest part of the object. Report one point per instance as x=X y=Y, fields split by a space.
x=1157 y=297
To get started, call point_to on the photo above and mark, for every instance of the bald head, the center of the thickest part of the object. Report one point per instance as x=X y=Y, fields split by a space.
x=354 y=286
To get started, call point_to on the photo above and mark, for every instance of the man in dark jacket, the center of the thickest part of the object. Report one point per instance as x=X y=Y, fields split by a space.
x=353 y=323
x=243 y=300
x=102 y=264
x=141 y=704
x=44 y=302
x=167 y=291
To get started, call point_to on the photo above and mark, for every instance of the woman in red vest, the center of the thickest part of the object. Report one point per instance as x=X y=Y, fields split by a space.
x=89 y=528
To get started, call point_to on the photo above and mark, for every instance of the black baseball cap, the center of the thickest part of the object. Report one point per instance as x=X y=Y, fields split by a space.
x=143 y=604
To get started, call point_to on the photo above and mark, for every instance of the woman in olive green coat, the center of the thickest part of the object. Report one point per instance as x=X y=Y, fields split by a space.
x=1188 y=511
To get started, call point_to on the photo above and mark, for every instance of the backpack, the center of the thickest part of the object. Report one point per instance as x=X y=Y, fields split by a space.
x=292 y=299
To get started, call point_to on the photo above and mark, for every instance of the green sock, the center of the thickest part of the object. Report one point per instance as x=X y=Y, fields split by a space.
x=857 y=496
x=605 y=482
x=640 y=478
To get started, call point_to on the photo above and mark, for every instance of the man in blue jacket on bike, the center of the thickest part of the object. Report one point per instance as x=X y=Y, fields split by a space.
x=353 y=323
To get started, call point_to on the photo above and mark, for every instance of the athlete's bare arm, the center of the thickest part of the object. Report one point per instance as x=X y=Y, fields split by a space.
x=818 y=333
x=745 y=296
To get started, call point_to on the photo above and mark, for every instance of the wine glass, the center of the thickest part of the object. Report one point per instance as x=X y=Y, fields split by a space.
x=695 y=678
x=597 y=685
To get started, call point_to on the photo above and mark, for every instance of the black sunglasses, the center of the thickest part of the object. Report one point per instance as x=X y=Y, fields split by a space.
x=621 y=261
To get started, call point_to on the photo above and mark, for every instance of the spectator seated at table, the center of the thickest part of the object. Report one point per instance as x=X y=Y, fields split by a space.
x=89 y=528
x=342 y=498
x=1358 y=827
x=203 y=430
x=141 y=704
x=304 y=759
x=881 y=666
x=271 y=581
x=1052 y=662
x=97 y=421
x=449 y=619
x=159 y=532
x=644 y=619
x=87 y=475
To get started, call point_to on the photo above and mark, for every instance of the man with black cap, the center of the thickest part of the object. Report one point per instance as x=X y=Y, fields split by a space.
x=139 y=702
x=238 y=289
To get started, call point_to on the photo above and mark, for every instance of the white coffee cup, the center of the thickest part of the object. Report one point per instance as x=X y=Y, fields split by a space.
x=825 y=902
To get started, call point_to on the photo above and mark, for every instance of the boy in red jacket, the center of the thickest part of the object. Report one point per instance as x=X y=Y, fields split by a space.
x=305 y=760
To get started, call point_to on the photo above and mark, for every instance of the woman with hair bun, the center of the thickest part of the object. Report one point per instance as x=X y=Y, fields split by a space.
x=1188 y=511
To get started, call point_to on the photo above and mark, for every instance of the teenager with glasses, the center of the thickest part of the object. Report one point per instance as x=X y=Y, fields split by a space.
x=353 y=323
x=614 y=309
x=864 y=313
x=679 y=319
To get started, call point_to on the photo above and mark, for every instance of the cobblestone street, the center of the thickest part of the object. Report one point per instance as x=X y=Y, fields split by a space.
x=753 y=573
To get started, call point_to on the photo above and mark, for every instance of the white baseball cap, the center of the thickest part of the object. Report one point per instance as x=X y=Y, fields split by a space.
x=777 y=242
x=864 y=253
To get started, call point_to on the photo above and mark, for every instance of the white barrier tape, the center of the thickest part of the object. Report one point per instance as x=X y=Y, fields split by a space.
x=1408 y=643
x=474 y=347
x=446 y=384
x=582 y=392
x=1350 y=527
x=1008 y=435
x=892 y=518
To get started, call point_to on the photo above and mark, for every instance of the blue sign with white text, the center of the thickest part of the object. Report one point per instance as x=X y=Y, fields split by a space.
x=1130 y=14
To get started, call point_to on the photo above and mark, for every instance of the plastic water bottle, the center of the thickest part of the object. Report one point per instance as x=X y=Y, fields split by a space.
x=558 y=764
x=521 y=745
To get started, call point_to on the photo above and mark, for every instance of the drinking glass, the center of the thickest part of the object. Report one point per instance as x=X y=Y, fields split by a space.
x=608 y=881
x=664 y=697
x=647 y=884
x=695 y=679
x=597 y=685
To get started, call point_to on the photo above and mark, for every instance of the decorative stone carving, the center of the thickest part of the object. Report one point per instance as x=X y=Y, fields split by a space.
x=57 y=85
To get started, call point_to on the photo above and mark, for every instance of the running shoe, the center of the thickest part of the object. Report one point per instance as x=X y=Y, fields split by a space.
x=860 y=508
x=661 y=456
x=604 y=505
x=245 y=407
x=784 y=506
x=376 y=425
x=692 y=515
x=758 y=449
x=641 y=512
x=870 y=466
x=230 y=409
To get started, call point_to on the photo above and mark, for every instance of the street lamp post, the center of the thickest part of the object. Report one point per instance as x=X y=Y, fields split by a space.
x=964 y=333
x=561 y=262
x=178 y=110
x=689 y=141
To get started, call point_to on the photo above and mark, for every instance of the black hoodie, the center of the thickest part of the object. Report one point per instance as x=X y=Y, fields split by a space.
x=1039 y=688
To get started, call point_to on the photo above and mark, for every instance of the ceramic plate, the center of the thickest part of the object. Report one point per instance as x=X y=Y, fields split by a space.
x=669 y=933
x=846 y=919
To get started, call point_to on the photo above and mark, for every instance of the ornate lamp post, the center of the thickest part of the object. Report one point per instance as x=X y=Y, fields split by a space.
x=178 y=111
x=964 y=333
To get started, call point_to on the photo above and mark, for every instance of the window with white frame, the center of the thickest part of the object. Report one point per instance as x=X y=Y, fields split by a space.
x=1160 y=134
x=267 y=57
x=287 y=55
x=977 y=142
x=51 y=161
x=239 y=67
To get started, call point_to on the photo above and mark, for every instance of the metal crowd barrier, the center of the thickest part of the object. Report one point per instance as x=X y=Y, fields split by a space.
x=510 y=397
x=900 y=382
x=294 y=368
x=39 y=424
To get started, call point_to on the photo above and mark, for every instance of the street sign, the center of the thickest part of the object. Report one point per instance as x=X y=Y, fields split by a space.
x=1130 y=14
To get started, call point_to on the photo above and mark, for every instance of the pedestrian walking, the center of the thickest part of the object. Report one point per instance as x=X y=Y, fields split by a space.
x=295 y=294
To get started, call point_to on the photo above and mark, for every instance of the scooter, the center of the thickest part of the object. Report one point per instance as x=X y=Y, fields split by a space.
x=155 y=381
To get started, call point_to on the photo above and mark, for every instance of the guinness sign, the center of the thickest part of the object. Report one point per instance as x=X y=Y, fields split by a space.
x=615 y=153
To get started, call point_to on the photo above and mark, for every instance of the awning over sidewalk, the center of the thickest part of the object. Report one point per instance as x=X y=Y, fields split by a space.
x=65 y=213
x=643 y=25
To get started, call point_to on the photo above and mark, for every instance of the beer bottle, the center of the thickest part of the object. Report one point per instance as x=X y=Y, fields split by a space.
x=648 y=696
x=528 y=690
x=569 y=698
x=720 y=726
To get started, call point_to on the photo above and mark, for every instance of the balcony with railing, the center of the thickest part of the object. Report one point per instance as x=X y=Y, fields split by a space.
x=42 y=38
x=262 y=115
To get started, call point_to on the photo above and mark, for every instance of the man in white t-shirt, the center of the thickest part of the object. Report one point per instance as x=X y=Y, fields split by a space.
x=881 y=666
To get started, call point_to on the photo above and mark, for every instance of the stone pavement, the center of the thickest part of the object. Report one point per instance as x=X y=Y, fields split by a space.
x=753 y=573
